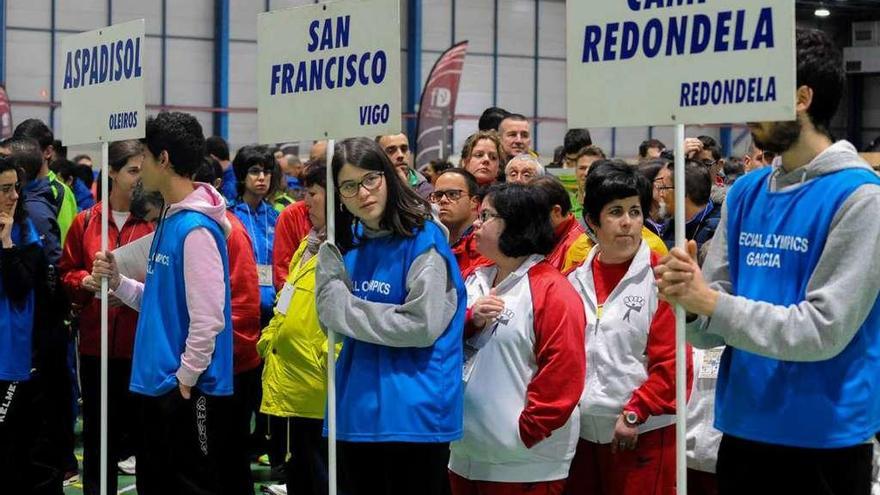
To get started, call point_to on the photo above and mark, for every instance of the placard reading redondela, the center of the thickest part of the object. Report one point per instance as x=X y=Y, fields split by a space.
x=102 y=92
x=666 y=62
x=329 y=71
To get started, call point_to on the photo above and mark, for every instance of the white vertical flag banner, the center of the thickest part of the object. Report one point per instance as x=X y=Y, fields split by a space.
x=329 y=70
x=660 y=62
x=102 y=90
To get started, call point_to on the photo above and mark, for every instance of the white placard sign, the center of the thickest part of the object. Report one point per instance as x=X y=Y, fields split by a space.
x=102 y=90
x=330 y=70
x=666 y=62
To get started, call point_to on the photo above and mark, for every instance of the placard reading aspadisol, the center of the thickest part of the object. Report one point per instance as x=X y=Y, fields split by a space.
x=330 y=70
x=102 y=90
x=665 y=62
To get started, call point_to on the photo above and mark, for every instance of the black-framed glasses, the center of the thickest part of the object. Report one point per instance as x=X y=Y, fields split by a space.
x=486 y=215
x=708 y=162
x=8 y=188
x=256 y=170
x=370 y=182
x=452 y=194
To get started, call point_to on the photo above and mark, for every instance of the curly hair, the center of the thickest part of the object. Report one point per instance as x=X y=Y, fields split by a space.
x=180 y=135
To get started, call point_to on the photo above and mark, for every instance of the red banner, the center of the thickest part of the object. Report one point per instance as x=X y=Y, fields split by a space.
x=5 y=115
x=437 y=108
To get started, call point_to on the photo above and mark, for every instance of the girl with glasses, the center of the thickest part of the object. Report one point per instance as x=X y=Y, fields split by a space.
x=524 y=368
x=20 y=256
x=393 y=291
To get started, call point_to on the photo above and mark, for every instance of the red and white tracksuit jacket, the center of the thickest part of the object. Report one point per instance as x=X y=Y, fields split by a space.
x=525 y=378
x=630 y=345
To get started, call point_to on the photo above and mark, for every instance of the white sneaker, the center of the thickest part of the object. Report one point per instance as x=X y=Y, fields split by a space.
x=127 y=466
x=275 y=489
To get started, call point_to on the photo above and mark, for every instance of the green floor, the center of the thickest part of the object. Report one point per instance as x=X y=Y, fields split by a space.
x=127 y=484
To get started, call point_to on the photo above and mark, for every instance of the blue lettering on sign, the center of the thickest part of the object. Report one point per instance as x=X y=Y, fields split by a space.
x=375 y=114
x=329 y=72
x=728 y=92
x=109 y=62
x=689 y=34
x=123 y=120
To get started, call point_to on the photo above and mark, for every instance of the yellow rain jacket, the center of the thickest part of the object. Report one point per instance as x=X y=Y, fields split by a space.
x=294 y=349
x=578 y=251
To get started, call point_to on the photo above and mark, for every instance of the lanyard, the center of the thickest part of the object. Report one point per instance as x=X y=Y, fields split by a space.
x=252 y=225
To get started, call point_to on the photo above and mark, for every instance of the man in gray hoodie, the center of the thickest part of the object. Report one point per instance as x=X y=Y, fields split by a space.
x=790 y=286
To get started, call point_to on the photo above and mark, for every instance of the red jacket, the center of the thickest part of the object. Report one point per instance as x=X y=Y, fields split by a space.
x=83 y=241
x=465 y=251
x=244 y=283
x=565 y=234
x=293 y=226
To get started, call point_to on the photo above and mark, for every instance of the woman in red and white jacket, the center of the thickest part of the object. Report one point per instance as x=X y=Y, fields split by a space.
x=524 y=355
x=627 y=413
x=83 y=241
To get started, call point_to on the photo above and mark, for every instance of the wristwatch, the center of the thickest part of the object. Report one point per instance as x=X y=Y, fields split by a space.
x=630 y=418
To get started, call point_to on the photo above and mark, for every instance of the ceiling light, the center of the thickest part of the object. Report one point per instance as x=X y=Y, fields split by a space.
x=822 y=12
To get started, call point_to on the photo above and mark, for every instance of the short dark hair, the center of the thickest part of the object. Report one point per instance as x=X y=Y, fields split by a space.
x=609 y=180
x=315 y=173
x=141 y=200
x=85 y=174
x=697 y=182
x=558 y=157
x=37 y=130
x=6 y=164
x=513 y=116
x=591 y=150
x=79 y=158
x=405 y=211
x=63 y=167
x=555 y=192
x=820 y=67
x=216 y=145
x=209 y=171
x=648 y=144
x=247 y=157
x=526 y=215
x=473 y=188
x=734 y=167
x=178 y=134
x=26 y=155
x=59 y=148
x=491 y=118
x=439 y=165
x=575 y=139
x=709 y=143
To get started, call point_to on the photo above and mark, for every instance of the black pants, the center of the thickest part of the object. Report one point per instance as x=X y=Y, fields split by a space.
x=247 y=386
x=51 y=411
x=394 y=468
x=121 y=412
x=307 y=466
x=758 y=468
x=183 y=444
x=15 y=436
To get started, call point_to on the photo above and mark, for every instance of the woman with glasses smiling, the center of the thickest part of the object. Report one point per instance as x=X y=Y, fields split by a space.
x=525 y=361
x=393 y=290
x=254 y=168
x=20 y=255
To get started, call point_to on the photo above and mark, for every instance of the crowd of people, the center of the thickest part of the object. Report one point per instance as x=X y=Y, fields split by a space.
x=500 y=333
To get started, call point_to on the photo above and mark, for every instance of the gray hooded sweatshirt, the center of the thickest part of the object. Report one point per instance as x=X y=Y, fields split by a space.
x=840 y=293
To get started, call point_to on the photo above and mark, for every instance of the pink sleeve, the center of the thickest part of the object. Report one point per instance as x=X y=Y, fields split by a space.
x=205 y=301
x=130 y=292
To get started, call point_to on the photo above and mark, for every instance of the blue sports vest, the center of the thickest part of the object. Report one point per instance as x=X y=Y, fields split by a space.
x=400 y=394
x=775 y=240
x=17 y=319
x=161 y=333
